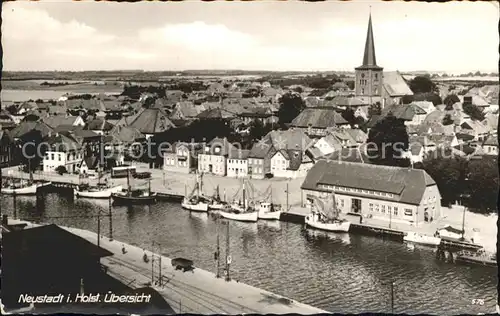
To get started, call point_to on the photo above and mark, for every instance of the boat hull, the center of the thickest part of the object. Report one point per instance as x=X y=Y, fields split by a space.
x=216 y=206
x=242 y=217
x=133 y=200
x=341 y=227
x=422 y=239
x=29 y=190
x=198 y=207
x=270 y=215
x=103 y=194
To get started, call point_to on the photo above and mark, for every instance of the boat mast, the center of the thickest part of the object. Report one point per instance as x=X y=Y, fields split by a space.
x=244 y=198
x=128 y=181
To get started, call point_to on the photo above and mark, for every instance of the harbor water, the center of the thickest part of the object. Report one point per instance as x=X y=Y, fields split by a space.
x=336 y=272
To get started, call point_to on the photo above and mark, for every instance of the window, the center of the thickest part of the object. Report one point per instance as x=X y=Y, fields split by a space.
x=59 y=157
x=341 y=202
x=383 y=209
x=51 y=156
x=408 y=212
x=376 y=207
x=376 y=76
x=371 y=207
x=389 y=209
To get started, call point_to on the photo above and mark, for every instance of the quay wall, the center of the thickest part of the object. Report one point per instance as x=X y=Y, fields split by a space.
x=196 y=291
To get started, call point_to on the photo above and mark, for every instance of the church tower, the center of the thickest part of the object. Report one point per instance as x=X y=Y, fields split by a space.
x=369 y=76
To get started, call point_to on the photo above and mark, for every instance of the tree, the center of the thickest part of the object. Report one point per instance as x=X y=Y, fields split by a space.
x=447 y=171
x=407 y=99
x=350 y=84
x=449 y=100
x=387 y=141
x=350 y=116
x=428 y=96
x=291 y=105
x=375 y=109
x=61 y=170
x=473 y=111
x=422 y=84
x=447 y=120
x=483 y=184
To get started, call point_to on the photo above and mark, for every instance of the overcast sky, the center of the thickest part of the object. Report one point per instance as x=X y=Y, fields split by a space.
x=274 y=35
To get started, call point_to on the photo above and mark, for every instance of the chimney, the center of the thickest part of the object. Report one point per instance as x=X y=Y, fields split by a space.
x=5 y=220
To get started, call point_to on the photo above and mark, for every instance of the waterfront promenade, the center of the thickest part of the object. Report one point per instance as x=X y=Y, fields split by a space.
x=198 y=292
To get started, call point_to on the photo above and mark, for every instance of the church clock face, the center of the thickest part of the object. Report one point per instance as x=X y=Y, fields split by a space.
x=362 y=75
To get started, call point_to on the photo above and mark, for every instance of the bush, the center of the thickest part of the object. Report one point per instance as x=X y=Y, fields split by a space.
x=61 y=170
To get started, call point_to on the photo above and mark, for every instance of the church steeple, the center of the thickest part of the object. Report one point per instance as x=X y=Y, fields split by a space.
x=369 y=76
x=369 y=57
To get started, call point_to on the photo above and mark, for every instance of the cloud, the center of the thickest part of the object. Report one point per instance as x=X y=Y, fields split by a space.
x=198 y=36
x=36 y=25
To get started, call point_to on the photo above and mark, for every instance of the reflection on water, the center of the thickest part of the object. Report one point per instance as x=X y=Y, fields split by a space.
x=337 y=272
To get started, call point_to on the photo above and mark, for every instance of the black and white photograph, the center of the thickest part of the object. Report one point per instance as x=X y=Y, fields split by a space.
x=249 y=157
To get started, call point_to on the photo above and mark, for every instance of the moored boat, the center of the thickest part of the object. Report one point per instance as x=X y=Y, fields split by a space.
x=134 y=197
x=244 y=212
x=97 y=192
x=29 y=189
x=137 y=196
x=195 y=201
x=325 y=217
x=268 y=211
x=249 y=216
x=418 y=238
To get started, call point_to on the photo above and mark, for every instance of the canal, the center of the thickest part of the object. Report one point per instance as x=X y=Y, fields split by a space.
x=336 y=272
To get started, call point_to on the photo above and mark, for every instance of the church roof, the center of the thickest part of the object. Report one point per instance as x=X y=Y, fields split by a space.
x=369 y=59
x=395 y=85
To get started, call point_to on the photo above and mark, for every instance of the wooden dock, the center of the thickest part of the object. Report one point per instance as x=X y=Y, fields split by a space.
x=467 y=257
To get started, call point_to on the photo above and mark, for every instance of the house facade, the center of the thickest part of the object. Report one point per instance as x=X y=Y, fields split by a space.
x=62 y=151
x=213 y=158
x=490 y=146
x=237 y=164
x=6 y=149
x=181 y=157
x=378 y=191
x=290 y=164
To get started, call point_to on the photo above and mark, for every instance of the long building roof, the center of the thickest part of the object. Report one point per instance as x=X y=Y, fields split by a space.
x=407 y=185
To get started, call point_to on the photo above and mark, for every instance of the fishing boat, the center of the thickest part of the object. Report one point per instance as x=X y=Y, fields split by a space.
x=23 y=189
x=195 y=201
x=131 y=196
x=243 y=212
x=326 y=217
x=216 y=202
x=96 y=192
x=269 y=211
x=418 y=238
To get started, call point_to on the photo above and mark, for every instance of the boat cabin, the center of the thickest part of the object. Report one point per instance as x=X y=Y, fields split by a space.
x=450 y=232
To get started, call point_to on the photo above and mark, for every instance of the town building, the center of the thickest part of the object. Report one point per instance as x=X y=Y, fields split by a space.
x=372 y=83
x=315 y=122
x=259 y=158
x=149 y=121
x=181 y=157
x=490 y=146
x=237 y=163
x=389 y=193
x=213 y=158
x=291 y=163
x=6 y=149
x=62 y=151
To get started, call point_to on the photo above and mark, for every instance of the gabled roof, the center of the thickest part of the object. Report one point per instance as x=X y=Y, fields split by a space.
x=99 y=124
x=318 y=118
x=395 y=85
x=403 y=111
x=62 y=143
x=349 y=101
x=357 y=155
x=236 y=153
x=477 y=126
x=219 y=147
x=125 y=134
x=358 y=135
x=26 y=127
x=151 y=121
x=491 y=141
x=408 y=185
x=56 y=120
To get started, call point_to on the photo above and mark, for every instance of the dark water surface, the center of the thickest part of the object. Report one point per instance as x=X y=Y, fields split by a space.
x=336 y=272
